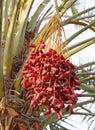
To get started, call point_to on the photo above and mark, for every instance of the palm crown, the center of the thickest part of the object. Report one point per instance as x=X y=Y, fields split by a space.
x=46 y=27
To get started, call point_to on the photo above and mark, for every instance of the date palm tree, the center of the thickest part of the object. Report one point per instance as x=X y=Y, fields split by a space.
x=18 y=29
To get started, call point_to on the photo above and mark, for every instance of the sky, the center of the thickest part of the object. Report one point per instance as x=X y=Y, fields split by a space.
x=81 y=57
x=87 y=54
